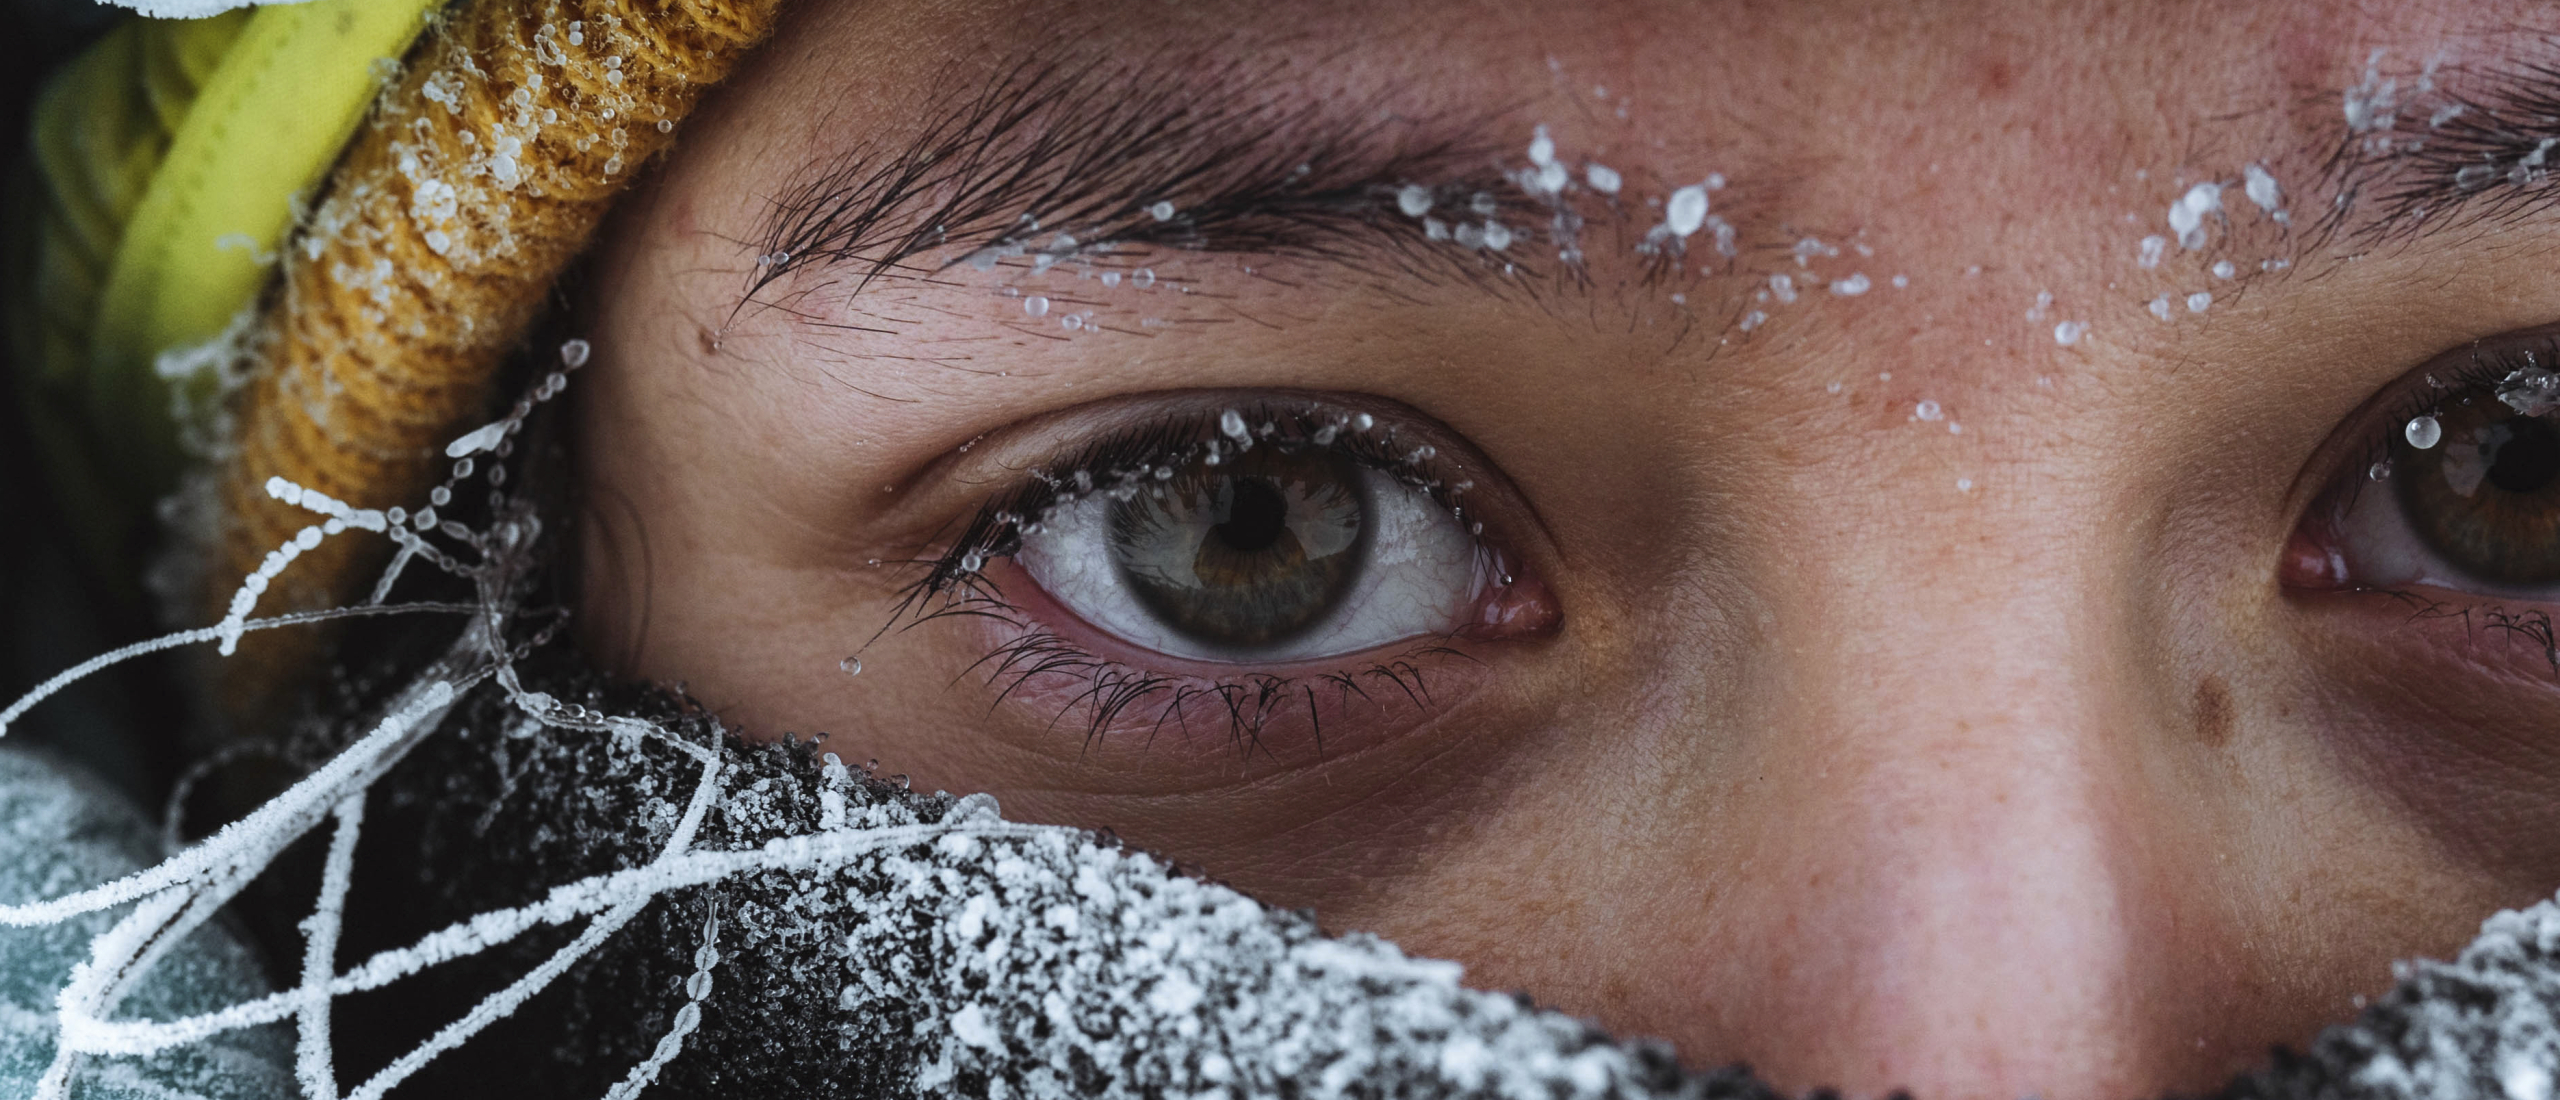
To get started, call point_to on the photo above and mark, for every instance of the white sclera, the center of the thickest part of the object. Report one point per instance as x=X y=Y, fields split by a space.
x=1418 y=577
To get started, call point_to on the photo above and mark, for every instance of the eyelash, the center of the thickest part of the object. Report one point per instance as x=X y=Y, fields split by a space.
x=2487 y=367
x=954 y=583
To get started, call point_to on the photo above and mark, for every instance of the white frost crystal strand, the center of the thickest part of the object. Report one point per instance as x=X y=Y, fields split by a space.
x=482 y=438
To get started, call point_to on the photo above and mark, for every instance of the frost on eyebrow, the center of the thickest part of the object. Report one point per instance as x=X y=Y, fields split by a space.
x=1054 y=170
x=2435 y=145
x=1046 y=164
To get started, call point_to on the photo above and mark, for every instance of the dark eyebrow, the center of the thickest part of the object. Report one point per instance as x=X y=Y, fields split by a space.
x=2471 y=149
x=1051 y=161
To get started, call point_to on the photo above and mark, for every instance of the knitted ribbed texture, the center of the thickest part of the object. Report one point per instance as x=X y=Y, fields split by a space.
x=483 y=171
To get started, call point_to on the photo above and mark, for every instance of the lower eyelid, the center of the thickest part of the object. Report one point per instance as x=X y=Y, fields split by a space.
x=1077 y=683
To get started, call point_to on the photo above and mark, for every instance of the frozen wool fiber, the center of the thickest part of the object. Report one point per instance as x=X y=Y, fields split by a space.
x=1056 y=964
x=506 y=136
x=1052 y=963
x=59 y=831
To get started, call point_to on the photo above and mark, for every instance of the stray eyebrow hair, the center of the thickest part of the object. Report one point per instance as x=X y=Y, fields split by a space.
x=1049 y=161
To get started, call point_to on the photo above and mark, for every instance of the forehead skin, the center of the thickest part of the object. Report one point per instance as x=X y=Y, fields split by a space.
x=1990 y=152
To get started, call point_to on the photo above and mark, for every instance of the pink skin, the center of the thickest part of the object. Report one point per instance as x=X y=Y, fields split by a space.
x=2091 y=780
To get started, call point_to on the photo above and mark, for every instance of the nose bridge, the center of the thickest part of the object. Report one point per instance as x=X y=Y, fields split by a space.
x=1967 y=861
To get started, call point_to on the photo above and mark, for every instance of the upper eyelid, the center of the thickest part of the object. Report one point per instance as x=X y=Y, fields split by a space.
x=1122 y=429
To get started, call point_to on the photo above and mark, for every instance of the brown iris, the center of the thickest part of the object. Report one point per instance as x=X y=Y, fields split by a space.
x=2487 y=496
x=1247 y=553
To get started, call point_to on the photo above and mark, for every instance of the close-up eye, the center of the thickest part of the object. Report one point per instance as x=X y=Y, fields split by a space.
x=1286 y=551
x=2461 y=489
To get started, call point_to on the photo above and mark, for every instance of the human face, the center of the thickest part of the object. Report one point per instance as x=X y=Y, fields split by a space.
x=1921 y=632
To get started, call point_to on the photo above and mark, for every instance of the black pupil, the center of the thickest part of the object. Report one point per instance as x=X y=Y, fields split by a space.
x=1255 y=516
x=2529 y=459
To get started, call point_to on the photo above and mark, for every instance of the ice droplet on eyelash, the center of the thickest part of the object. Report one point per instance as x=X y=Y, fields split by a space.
x=1414 y=200
x=1036 y=306
x=850 y=666
x=573 y=354
x=1363 y=422
x=1231 y=424
x=972 y=561
x=2379 y=471
x=1161 y=211
x=2423 y=432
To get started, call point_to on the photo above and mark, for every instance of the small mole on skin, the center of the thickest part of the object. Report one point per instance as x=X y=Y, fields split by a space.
x=2213 y=711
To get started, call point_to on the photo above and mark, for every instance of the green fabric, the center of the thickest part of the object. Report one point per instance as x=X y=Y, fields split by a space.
x=168 y=164
x=60 y=832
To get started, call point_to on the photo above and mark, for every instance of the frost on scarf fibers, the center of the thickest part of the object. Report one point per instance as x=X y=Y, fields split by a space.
x=482 y=172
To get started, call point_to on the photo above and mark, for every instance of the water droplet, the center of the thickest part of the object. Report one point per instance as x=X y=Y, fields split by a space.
x=1231 y=423
x=852 y=666
x=972 y=561
x=1146 y=277
x=1363 y=422
x=1161 y=211
x=2379 y=471
x=1036 y=306
x=573 y=354
x=1928 y=410
x=2423 y=432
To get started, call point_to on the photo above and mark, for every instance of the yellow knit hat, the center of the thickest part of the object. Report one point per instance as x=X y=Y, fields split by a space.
x=260 y=239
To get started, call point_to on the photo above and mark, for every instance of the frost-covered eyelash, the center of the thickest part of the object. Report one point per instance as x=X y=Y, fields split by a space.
x=953 y=583
x=1248 y=703
x=1136 y=459
x=2482 y=373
